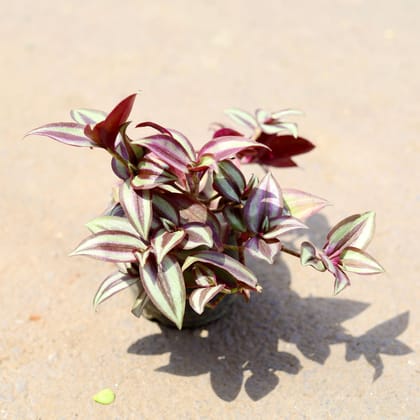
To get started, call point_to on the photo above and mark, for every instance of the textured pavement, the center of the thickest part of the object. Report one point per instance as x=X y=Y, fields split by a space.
x=295 y=351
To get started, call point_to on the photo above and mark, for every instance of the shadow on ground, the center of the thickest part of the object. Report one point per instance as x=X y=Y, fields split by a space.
x=247 y=340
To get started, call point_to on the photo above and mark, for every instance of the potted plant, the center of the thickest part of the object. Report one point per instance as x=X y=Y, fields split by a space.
x=182 y=221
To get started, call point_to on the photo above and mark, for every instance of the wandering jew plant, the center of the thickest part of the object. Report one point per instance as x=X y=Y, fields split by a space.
x=183 y=220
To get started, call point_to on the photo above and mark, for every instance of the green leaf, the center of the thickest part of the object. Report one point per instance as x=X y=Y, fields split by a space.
x=112 y=285
x=308 y=256
x=137 y=207
x=358 y=261
x=226 y=263
x=199 y=298
x=106 y=223
x=341 y=281
x=301 y=204
x=106 y=396
x=354 y=231
x=112 y=246
x=229 y=181
x=203 y=276
x=165 y=287
x=140 y=302
x=150 y=175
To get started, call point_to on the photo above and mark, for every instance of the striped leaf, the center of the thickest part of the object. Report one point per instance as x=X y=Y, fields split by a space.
x=197 y=234
x=65 y=132
x=301 y=204
x=87 y=116
x=165 y=287
x=164 y=207
x=355 y=231
x=140 y=302
x=104 y=223
x=226 y=263
x=163 y=242
x=242 y=117
x=183 y=140
x=168 y=149
x=259 y=248
x=203 y=276
x=151 y=175
x=111 y=285
x=137 y=207
x=357 y=261
x=281 y=225
x=265 y=201
x=222 y=148
x=199 y=298
x=309 y=256
x=229 y=181
x=113 y=246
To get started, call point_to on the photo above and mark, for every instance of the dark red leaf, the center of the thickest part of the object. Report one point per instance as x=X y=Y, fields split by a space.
x=224 y=131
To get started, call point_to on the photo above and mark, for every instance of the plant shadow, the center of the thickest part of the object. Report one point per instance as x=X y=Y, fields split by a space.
x=246 y=342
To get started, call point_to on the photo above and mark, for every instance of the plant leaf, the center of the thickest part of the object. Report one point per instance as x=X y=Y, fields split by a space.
x=355 y=231
x=358 y=261
x=106 y=396
x=200 y=297
x=137 y=207
x=264 y=201
x=166 y=288
x=301 y=204
x=281 y=225
x=197 y=234
x=113 y=246
x=150 y=175
x=341 y=281
x=112 y=285
x=140 y=302
x=240 y=272
x=183 y=140
x=167 y=149
x=166 y=209
x=229 y=181
x=87 y=116
x=262 y=249
x=68 y=133
x=105 y=132
x=308 y=256
x=106 y=223
x=203 y=276
x=222 y=148
x=242 y=117
x=163 y=242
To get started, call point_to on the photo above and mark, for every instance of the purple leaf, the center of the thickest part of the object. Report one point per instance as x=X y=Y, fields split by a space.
x=197 y=234
x=165 y=287
x=163 y=242
x=259 y=248
x=105 y=132
x=199 y=298
x=137 y=207
x=168 y=149
x=226 y=263
x=112 y=285
x=222 y=148
x=151 y=175
x=341 y=281
x=265 y=201
x=224 y=131
x=355 y=231
x=113 y=246
x=65 y=132
x=309 y=256
x=360 y=262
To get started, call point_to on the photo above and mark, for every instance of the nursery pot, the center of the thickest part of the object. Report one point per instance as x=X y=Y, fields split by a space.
x=191 y=318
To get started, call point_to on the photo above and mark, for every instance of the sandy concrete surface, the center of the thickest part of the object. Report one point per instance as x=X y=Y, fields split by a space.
x=294 y=352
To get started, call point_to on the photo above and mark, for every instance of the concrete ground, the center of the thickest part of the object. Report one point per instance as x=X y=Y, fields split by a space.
x=295 y=351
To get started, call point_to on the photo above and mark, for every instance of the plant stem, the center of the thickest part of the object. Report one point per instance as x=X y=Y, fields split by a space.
x=290 y=251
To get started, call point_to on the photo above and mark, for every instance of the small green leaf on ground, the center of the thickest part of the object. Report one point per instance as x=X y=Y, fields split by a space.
x=106 y=396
